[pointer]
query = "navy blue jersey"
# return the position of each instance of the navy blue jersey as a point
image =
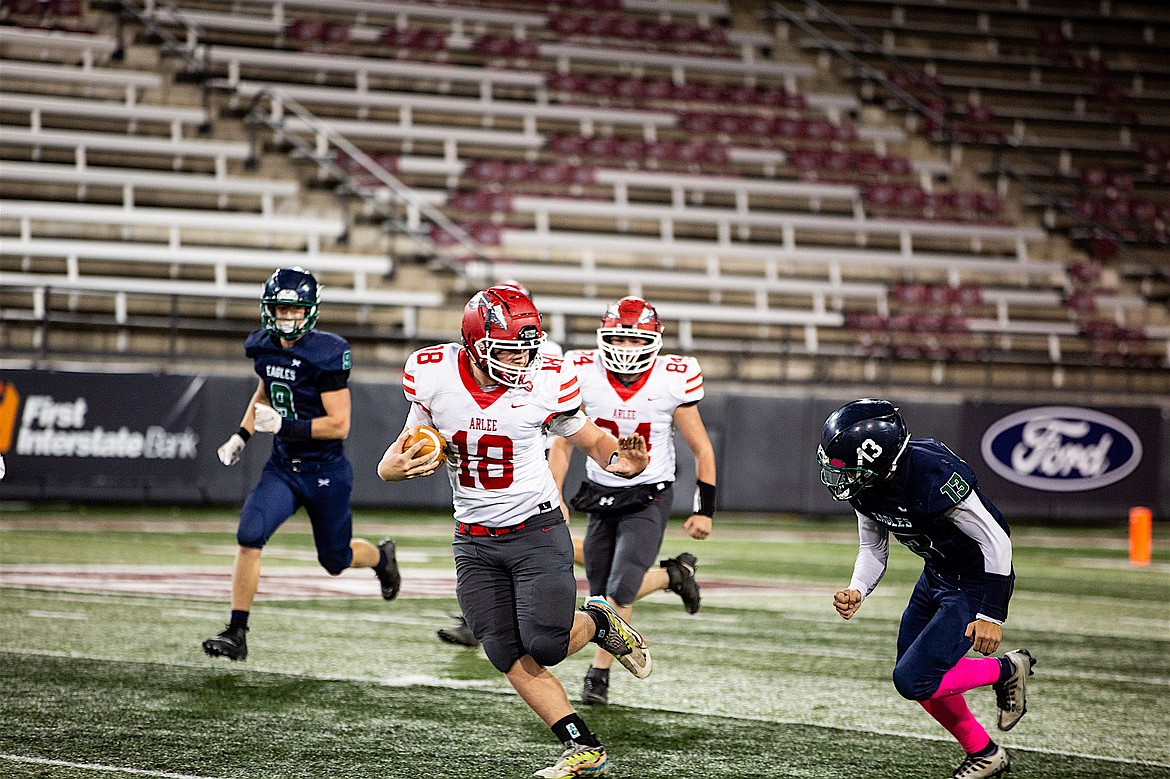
(933, 505)
(295, 378)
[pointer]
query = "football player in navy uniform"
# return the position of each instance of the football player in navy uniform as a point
(923, 494)
(303, 401)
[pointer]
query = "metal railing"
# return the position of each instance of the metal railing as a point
(326, 141)
(195, 52)
(865, 70)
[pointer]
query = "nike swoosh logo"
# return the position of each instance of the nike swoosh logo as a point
(651, 398)
(546, 529)
(519, 405)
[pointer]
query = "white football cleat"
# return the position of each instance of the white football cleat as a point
(1011, 695)
(995, 764)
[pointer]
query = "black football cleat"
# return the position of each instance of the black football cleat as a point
(596, 689)
(231, 643)
(389, 577)
(460, 635)
(681, 570)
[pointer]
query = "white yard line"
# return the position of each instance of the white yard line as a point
(99, 767)
(413, 680)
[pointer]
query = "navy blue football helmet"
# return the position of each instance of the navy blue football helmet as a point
(860, 445)
(290, 287)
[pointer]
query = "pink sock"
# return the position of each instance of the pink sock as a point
(968, 673)
(952, 713)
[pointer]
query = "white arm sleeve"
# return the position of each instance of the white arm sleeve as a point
(567, 424)
(872, 555)
(973, 518)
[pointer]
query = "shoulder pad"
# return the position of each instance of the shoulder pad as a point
(684, 376)
(942, 477)
(331, 352)
(255, 342)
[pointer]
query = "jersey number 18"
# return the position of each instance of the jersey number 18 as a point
(486, 463)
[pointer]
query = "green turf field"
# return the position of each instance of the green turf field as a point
(101, 674)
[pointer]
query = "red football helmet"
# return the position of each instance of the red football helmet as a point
(630, 317)
(523, 290)
(502, 319)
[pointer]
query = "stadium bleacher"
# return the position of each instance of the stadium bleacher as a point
(729, 172)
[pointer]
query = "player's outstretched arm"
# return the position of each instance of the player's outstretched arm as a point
(624, 456)
(399, 464)
(847, 602)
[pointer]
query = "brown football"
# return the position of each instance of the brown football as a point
(433, 444)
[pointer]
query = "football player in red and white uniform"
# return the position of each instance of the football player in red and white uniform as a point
(459, 633)
(628, 387)
(492, 399)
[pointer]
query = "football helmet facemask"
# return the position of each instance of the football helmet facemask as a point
(630, 317)
(502, 319)
(860, 445)
(290, 287)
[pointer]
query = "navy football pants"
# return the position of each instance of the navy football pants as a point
(931, 638)
(322, 488)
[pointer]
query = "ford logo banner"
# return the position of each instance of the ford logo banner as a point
(1062, 448)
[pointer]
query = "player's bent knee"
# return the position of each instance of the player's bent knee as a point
(912, 685)
(501, 657)
(547, 650)
(249, 539)
(333, 564)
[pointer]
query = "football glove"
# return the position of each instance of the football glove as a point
(229, 453)
(268, 419)
(2, 469)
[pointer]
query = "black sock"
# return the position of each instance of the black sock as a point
(572, 729)
(601, 622)
(1006, 669)
(987, 751)
(239, 619)
(381, 566)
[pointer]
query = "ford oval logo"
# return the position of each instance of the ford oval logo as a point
(1062, 448)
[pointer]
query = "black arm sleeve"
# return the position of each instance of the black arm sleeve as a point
(330, 382)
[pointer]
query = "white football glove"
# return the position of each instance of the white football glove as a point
(268, 419)
(229, 453)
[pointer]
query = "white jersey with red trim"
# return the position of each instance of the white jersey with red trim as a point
(550, 349)
(498, 472)
(646, 406)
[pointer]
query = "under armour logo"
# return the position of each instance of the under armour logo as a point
(322, 482)
(606, 501)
